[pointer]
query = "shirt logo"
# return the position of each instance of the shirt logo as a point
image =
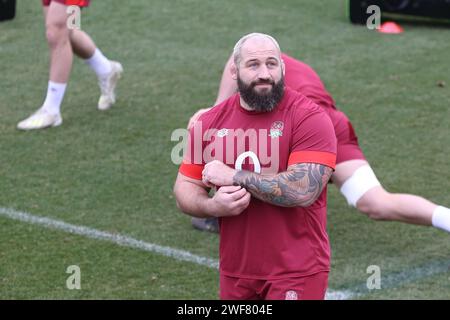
(291, 295)
(276, 130)
(222, 133)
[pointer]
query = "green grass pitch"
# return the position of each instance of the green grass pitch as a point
(112, 171)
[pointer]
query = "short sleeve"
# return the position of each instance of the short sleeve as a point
(313, 139)
(193, 162)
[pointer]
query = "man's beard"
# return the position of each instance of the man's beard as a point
(261, 102)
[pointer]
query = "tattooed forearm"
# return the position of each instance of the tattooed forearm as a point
(300, 185)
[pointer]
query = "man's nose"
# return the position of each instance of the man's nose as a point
(263, 73)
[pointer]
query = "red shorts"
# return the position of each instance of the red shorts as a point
(311, 287)
(80, 3)
(347, 141)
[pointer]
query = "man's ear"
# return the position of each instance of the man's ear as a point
(234, 71)
(283, 67)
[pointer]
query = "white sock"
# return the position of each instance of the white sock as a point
(99, 63)
(54, 98)
(441, 218)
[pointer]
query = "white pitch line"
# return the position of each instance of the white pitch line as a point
(126, 241)
(339, 295)
(118, 239)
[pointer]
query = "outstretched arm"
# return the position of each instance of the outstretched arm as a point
(300, 185)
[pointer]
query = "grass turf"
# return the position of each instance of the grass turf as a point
(112, 171)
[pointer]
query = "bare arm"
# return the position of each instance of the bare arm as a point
(300, 185)
(228, 86)
(193, 199)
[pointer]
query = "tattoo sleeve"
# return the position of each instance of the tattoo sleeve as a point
(300, 185)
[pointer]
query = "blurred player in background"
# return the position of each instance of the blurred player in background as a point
(353, 175)
(63, 43)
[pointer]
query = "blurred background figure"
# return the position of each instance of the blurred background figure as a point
(63, 43)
